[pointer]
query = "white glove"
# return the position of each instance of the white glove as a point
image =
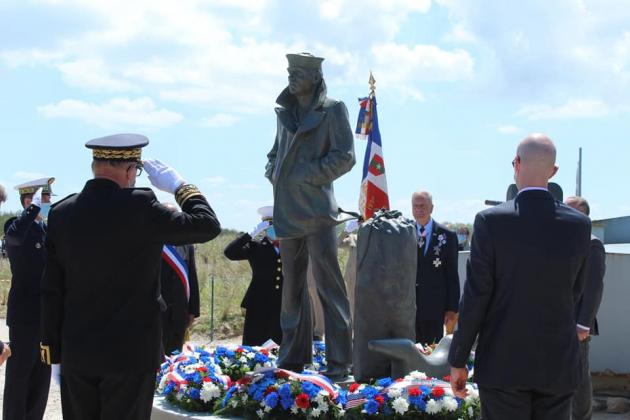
(162, 176)
(261, 227)
(351, 226)
(37, 198)
(55, 373)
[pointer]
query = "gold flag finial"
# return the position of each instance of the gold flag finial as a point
(372, 83)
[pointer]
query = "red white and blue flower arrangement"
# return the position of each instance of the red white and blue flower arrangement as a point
(197, 380)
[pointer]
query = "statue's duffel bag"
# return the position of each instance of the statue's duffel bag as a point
(385, 292)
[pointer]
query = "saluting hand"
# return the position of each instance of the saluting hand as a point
(162, 176)
(37, 198)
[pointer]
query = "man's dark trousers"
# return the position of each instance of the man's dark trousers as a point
(27, 378)
(295, 319)
(582, 404)
(125, 396)
(508, 404)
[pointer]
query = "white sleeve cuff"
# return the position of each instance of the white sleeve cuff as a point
(582, 327)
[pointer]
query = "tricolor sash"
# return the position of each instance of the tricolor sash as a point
(177, 263)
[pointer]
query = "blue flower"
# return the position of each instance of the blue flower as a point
(228, 395)
(286, 402)
(194, 393)
(371, 407)
(369, 392)
(384, 382)
(342, 398)
(285, 391)
(271, 400)
(169, 388)
(310, 389)
(260, 358)
(418, 402)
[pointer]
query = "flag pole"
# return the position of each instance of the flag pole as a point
(372, 83)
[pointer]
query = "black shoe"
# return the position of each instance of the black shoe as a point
(336, 374)
(293, 367)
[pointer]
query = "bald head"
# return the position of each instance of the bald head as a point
(535, 161)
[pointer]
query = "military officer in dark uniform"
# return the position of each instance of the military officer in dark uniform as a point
(180, 292)
(100, 311)
(263, 299)
(27, 378)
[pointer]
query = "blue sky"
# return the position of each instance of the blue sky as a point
(459, 83)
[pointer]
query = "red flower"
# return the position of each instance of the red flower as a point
(265, 352)
(399, 380)
(302, 401)
(414, 392)
(380, 400)
(239, 350)
(354, 387)
(245, 380)
(207, 379)
(202, 369)
(281, 374)
(269, 390)
(437, 392)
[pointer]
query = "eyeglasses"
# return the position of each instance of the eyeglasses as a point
(138, 167)
(515, 160)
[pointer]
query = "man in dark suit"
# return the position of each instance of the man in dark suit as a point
(27, 378)
(525, 275)
(100, 311)
(263, 299)
(437, 281)
(179, 289)
(586, 311)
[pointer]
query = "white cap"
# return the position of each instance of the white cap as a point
(32, 186)
(266, 212)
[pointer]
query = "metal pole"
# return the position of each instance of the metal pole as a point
(212, 307)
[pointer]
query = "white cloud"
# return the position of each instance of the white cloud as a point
(91, 74)
(118, 112)
(422, 63)
(220, 120)
(215, 181)
(28, 176)
(508, 129)
(573, 108)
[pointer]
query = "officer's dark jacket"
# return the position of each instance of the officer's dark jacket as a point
(100, 312)
(27, 255)
(263, 298)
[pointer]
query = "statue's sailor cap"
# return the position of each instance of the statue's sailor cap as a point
(118, 147)
(266, 212)
(305, 60)
(31, 186)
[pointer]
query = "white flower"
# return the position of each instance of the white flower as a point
(470, 411)
(341, 413)
(400, 405)
(244, 397)
(433, 407)
(394, 393)
(260, 413)
(234, 403)
(226, 362)
(163, 382)
(242, 359)
(267, 408)
(316, 412)
(294, 410)
(217, 369)
(323, 407)
(473, 395)
(417, 375)
(450, 404)
(250, 355)
(209, 391)
(267, 364)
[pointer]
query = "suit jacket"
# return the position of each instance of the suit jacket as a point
(587, 307)
(525, 274)
(173, 293)
(100, 313)
(263, 298)
(27, 256)
(437, 279)
(306, 158)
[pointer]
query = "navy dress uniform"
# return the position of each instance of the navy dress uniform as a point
(263, 299)
(100, 313)
(27, 378)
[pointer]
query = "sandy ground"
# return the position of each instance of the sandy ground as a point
(53, 410)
